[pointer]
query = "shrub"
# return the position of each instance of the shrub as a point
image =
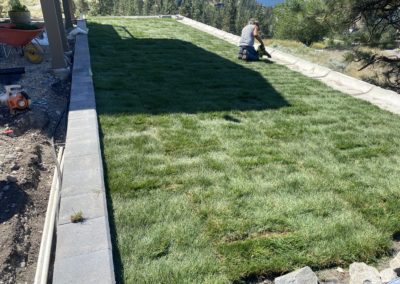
(16, 6)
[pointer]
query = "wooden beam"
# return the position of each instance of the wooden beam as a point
(61, 25)
(55, 33)
(67, 13)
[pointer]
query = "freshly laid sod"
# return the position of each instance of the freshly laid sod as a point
(219, 169)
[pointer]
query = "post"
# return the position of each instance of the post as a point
(54, 33)
(67, 13)
(61, 24)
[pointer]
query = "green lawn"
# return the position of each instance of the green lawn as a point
(219, 170)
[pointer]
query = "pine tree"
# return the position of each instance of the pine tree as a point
(230, 14)
(186, 8)
(139, 7)
(147, 7)
(198, 9)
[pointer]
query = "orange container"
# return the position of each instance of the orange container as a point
(15, 37)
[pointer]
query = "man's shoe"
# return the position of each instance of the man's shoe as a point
(244, 56)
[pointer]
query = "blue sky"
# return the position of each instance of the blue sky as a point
(270, 2)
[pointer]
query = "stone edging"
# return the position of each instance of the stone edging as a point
(83, 250)
(384, 99)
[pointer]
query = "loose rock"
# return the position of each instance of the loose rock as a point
(360, 273)
(11, 179)
(387, 275)
(301, 276)
(330, 281)
(395, 263)
(340, 270)
(14, 167)
(10, 157)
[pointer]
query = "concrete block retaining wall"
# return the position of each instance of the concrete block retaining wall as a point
(83, 250)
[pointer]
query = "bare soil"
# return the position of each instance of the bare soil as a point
(27, 162)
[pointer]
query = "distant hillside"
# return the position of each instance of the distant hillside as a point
(270, 2)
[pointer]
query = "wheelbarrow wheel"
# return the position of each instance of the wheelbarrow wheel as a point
(33, 53)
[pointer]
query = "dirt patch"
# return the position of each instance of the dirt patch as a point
(27, 163)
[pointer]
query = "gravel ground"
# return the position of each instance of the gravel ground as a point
(27, 162)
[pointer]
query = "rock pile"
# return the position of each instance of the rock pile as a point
(359, 273)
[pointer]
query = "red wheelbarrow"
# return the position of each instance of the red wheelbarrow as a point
(21, 39)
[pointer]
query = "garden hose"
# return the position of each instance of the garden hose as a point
(33, 53)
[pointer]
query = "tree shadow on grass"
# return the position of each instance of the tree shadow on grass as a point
(157, 76)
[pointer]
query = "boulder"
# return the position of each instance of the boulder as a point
(360, 273)
(395, 263)
(387, 275)
(301, 276)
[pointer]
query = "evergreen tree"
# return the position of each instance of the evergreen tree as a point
(148, 7)
(139, 7)
(229, 18)
(198, 10)
(230, 15)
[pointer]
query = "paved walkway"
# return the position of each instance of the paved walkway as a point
(384, 99)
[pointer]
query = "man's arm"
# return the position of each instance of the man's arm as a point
(257, 35)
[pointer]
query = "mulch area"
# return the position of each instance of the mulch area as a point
(27, 162)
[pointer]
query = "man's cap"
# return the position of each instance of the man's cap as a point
(253, 22)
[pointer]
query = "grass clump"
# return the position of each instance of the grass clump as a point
(77, 217)
(220, 169)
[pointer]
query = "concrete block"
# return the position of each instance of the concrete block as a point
(384, 102)
(93, 268)
(79, 180)
(82, 66)
(77, 189)
(83, 70)
(92, 205)
(285, 58)
(84, 121)
(85, 132)
(82, 147)
(304, 65)
(385, 98)
(349, 82)
(84, 98)
(90, 163)
(82, 105)
(75, 239)
(78, 79)
(337, 85)
(82, 90)
(79, 114)
(321, 70)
